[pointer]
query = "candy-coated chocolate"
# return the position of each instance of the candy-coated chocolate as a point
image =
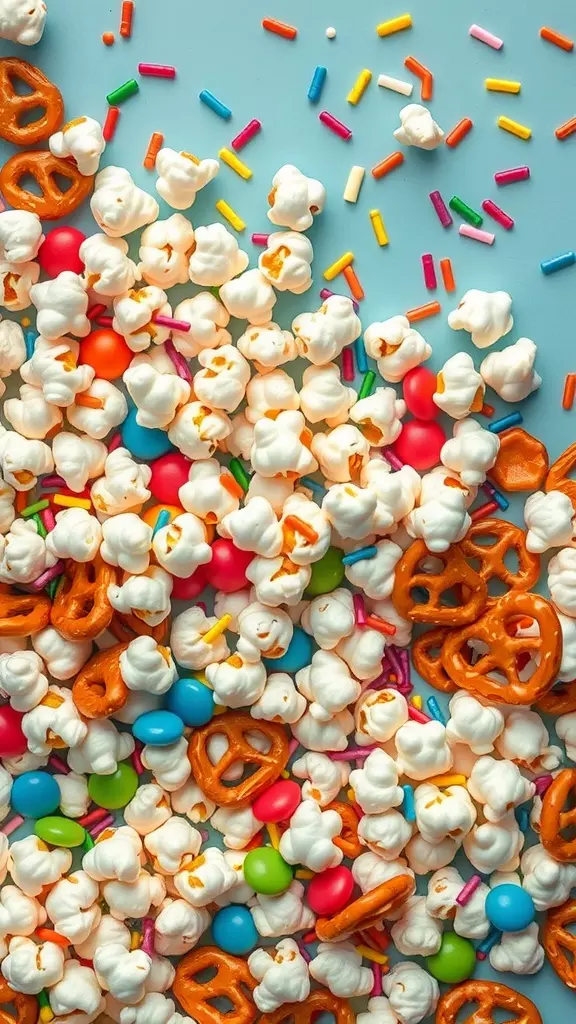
(418, 386)
(60, 831)
(191, 700)
(106, 352)
(327, 573)
(35, 794)
(279, 802)
(330, 890)
(267, 871)
(12, 739)
(144, 442)
(169, 474)
(510, 908)
(158, 728)
(59, 251)
(420, 443)
(116, 790)
(191, 587)
(227, 570)
(455, 960)
(298, 654)
(233, 930)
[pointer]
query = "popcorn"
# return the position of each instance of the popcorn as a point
(30, 968)
(324, 777)
(416, 933)
(181, 176)
(379, 416)
(122, 972)
(208, 320)
(165, 249)
(31, 415)
(363, 651)
(350, 509)
(32, 865)
(137, 703)
(499, 786)
(115, 854)
(375, 785)
(54, 722)
(155, 388)
(525, 741)
(78, 990)
(275, 489)
(423, 749)
(278, 580)
(469, 921)
(550, 521)
(329, 618)
(548, 882)
(206, 494)
(286, 261)
(441, 519)
(379, 1011)
(196, 430)
(134, 312)
(147, 811)
(238, 826)
(16, 283)
(459, 387)
(470, 452)
(7, 510)
(231, 604)
(323, 396)
(302, 549)
(146, 596)
(443, 812)
(22, 22)
(267, 346)
(19, 914)
(472, 723)
(22, 680)
(418, 128)
(127, 540)
(179, 927)
(99, 422)
(495, 846)
(565, 727)
(118, 205)
(385, 833)
(20, 232)
(396, 493)
(12, 345)
(61, 304)
(186, 641)
(77, 535)
(308, 840)
(510, 373)
(134, 899)
(182, 546)
(82, 142)
(240, 892)
(249, 297)
(396, 346)
(145, 665)
(338, 966)
(283, 977)
(236, 681)
(191, 801)
(154, 1009)
(101, 749)
(169, 763)
(74, 796)
(205, 878)
(263, 633)
(332, 735)
(370, 870)
(562, 581)
(486, 315)
(295, 199)
(216, 257)
(53, 368)
(254, 528)
(109, 271)
(5, 791)
(222, 382)
(72, 906)
(63, 658)
(321, 336)
(26, 762)
(342, 453)
(327, 683)
(275, 916)
(413, 993)
(375, 576)
(123, 486)
(269, 394)
(518, 952)
(22, 460)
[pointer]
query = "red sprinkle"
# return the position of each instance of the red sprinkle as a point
(110, 123)
(279, 28)
(484, 510)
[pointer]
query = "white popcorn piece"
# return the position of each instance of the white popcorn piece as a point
(378, 1011)
(351, 510)
(26, 762)
(145, 665)
(155, 1008)
(238, 826)
(241, 439)
(363, 651)
(518, 952)
(76, 535)
(342, 453)
(379, 416)
(108, 930)
(81, 141)
(147, 811)
(370, 870)
(19, 914)
(510, 373)
(101, 749)
(275, 916)
(116, 854)
(240, 892)
(459, 387)
(231, 604)
(278, 580)
(32, 865)
(134, 899)
(308, 840)
(170, 765)
(137, 703)
(54, 722)
(378, 716)
(321, 336)
(270, 394)
(565, 726)
(208, 320)
(74, 797)
(5, 792)
(416, 933)
(471, 452)
(191, 801)
(472, 723)
(328, 685)
(22, 460)
(423, 749)
(263, 633)
(146, 596)
(385, 833)
(375, 576)
(499, 786)
(165, 248)
(549, 518)
(16, 283)
(78, 458)
(286, 261)
(329, 618)
(206, 494)
(486, 315)
(396, 493)
(12, 344)
(61, 304)
(99, 422)
(323, 396)
(236, 681)
(303, 549)
(205, 878)
(338, 966)
(495, 846)
(413, 993)
(72, 906)
(295, 199)
(525, 741)
(469, 921)
(321, 736)
(122, 972)
(221, 384)
(441, 813)
(441, 520)
(249, 297)
(179, 927)
(267, 346)
(118, 205)
(196, 431)
(7, 510)
(216, 257)
(63, 658)
(182, 546)
(126, 542)
(375, 785)
(562, 581)
(123, 486)
(156, 389)
(30, 968)
(186, 641)
(109, 271)
(54, 368)
(418, 128)
(77, 995)
(20, 231)
(548, 882)
(22, 22)
(22, 679)
(254, 528)
(134, 312)
(181, 176)
(282, 976)
(323, 777)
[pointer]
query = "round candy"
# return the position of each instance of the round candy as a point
(35, 794)
(144, 442)
(234, 931)
(158, 728)
(266, 871)
(151, 514)
(327, 573)
(169, 474)
(330, 890)
(60, 251)
(227, 570)
(191, 587)
(106, 352)
(278, 802)
(114, 791)
(60, 831)
(418, 387)
(455, 960)
(191, 700)
(298, 654)
(12, 740)
(509, 908)
(420, 443)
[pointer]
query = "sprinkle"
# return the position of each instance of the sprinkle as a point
(30, 340)
(514, 127)
(360, 555)
(359, 610)
(502, 85)
(348, 363)
(417, 716)
(387, 165)
(497, 214)
(162, 520)
(299, 526)
(47, 576)
(96, 310)
(361, 357)
(273, 833)
(354, 184)
(302, 950)
(523, 818)
(381, 939)
(66, 501)
(465, 894)
(367, 385)
(484, 510)
(148, 936)
(353, 282)
(483, 36)
(182, 368)
(569, 390)
(459, 132)
(487, 410)
(447, 780)
(108, 38)
(104, 321)
(359, 88)
(58, 764)
(217, 629)
(209, 100)
(447, 275)
(135, 939)
(408, 804)
(317, 83)
(378, 227)
(259, 239)
(309, 938)
(338, 266)
(229, 214)
(239, 473)
(154, 147)
(312, 485)
(305, 875)
(435, 710)
(429, 271)
(48, 519)
(137, 761)
(495, 495)
(42, 531)
(20, 500)
(126, 19)
(542, 783)
(441, 209)
(30, 510)
(395, 84)
(93, 817)
(330, 32)
(123, 92)
(157, 70)
(424, 74)
(246, 135)
(380, 625)
(566, 129)
(494, 936)
(371, 954)
(416, 701)
(325, 293)
(12, 825)
(389, 28)
(234, 162)
(279, 28)
(479, 236)
(566, 259)
(336, 126)
(551, 36)
(376, 990)
(512, 420)
(46, 1015)
(89, 401)
(465, 211)
(423, 312)
(48, 935)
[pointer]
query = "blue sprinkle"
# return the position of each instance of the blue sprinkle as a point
(162, 521)
(496, 496)
(360, 555)
(558, 263)
(494, 936)
(307, 481)
(523, 818)
(317, 83)
(219, 108)
(408, 806)
(31, 338)
(361, 357)
(512, 420)
(435, 710)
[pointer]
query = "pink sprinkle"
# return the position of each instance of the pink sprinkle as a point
(102, 826)
(479, 236)
(542, 783)
(169, 321)
(351, 753)
(12, 825)
(260, 239)
(405, 662)
(480, 956)
(417, 716)
(48, 518)
(115, 442)
(397, 666)
(483, 36)
(497, 214)
(45, 578)
(377, 986)
(246, 135)
(137, 762)
(105, 321)
(157, 70)
(465, 894)
(96, 311)
(182, 368)
(429, 271)
(348, 363)
(293, 746)
(336, 126)
(204, 835)
(392, 458)
(327, 294)
(58, 764)
(53, 481)
(359, 609)
(148, 936)
(444, 215)
(512, 175)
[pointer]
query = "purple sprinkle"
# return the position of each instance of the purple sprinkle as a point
(442, 210)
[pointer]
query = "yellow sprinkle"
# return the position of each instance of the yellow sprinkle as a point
(285, 774)
(336, 268)
(388, 28)
(447, 780)
(372, 954)
(229, 158)
(46, 1015)
(502, 85)
(219, 709)
(274, 834)
(378, 227)
(520, 130)
(68, 502)
(135, 939)
(359, 88)
(25, 321)
(303, 874)
(416, 701)
(351, 795)
(229, 214)
(217, 629)
(354, 184)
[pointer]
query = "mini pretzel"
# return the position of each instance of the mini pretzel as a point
(429, 665)
(23, 614)
(53, 203)
(368, 910)
(560, 700)
(99, 689)
(126, 627)
(347, 841)
(456, 572)
(235, 726)
(504, 650)
(507, 537)
(26, 1007)
(232, 981)
(522, 462)
(81, 608)
(558, 476)
(319, 1001)
(554, 819)
(44, 95)
(490, 996)
(560, 943)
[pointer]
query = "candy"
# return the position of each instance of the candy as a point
(233, 930)
(552, 36)
(123, 92)
(278, 803)
(455, 960)
(227, 569)
(266, 871)
(566, 259)
(330, 890)
(395, 84)
(327, 573)
(459, 132)
(510, 908)
(157, 70)
(114, 790)
(12, 739)
(158, 728)
(388, 28)
(484, 36)
(521, 131)
(35, 794)
(359, 87)
(60, 832)
(420, 443)
(336, 126)
(279, 28)
(418, 387)
(380, 233)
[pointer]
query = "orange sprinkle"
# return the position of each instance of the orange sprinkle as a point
(108, 38)
(459, 132)
(352, 280)
(424, 74)
(154, 147)
(422, 312)
(487, 410)
(22, 500)
(447, 275)
(382, 939)
(294, 523)
(566, 129)
(569, 390)
(48, 935)
(88, 401)
(387, 165)
(279, 28)
(380, 625)
(230, 484)
(551, 36)
(126, 19)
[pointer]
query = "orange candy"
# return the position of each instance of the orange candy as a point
(106, 352)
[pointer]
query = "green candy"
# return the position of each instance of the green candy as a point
(455, 960)
(60, 831)
(327, 573)
(266, 871)
(114, 791)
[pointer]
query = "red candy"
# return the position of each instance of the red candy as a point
(330, 891)
(419, 444)
(227, 570)
(106, 352)
(12, 740)
(59, 251)
(418, 387)
(278, 802)
(169, 474)
(188, 589)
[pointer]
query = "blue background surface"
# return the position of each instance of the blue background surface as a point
(222, 47)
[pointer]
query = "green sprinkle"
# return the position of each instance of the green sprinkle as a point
(42, 531)
(367, 385)
(53, 587)
(239, 473)
(88, 843)
(42, 998)
(466, 212)
(37, 507)
(123, 92)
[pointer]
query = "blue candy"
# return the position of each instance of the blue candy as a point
(158, 728)
(298, 655)
(510, 908)
(143, 442)
(233, 930)
(35, 794)
(191, 700)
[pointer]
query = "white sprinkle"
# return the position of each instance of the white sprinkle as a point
(354, 184)
(395, 84)
(330, 33)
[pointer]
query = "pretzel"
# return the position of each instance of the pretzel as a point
(490, 996)
(25, 1007)
(126, 627)
(522, 461)
(99, 689)
(554, 819)
(234, 726)
(52, 203)
(456, 572)
(368, 910)
(232, 981)
(507, 537)
(504, 651)
(559, 943)
(347, 841)
(23, 614)
(558, 474)
(81, 608)
(429, 665)
(13, 105)
(560, 700)
(319, 1001)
